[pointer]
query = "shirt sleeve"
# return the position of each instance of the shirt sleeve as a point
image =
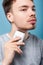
(1, 53)
(0, 56)
(41, 63)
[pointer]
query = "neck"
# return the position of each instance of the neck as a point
(14, 28)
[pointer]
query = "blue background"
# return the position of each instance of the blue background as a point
(5, 25)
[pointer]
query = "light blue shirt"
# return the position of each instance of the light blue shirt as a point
(32, 51)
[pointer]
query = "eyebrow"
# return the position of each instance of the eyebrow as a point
(25, 6)
(33, 6)
(32, 0)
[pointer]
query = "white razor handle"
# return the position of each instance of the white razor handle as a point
(19, 34)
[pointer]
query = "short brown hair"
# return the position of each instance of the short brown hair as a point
(7, 5)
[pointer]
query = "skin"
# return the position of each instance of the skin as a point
(20, 16)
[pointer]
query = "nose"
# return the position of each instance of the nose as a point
(31, 12)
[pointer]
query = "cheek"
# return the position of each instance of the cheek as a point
(21, 16)
(20, 19)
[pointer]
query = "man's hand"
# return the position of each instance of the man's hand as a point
(9, 50)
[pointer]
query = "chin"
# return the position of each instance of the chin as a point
(31, 27)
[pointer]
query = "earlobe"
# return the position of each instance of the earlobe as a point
(10, 17)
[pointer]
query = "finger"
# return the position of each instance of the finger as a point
(18, 50)
(20, 43)
(14, 39)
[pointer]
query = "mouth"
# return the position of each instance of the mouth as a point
(32, 21)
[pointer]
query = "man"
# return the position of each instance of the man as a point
(21, 15)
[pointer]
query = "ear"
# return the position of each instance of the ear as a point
(10, 17)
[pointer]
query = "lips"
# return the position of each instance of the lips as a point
(32, 21)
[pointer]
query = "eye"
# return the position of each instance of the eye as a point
(34, 9)
(23, 10)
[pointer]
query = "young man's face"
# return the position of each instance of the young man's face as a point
(23, 13)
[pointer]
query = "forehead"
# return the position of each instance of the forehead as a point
(23, 2)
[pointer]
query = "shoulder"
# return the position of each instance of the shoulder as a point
(36, 41)
(3, 38)
(35, 38)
